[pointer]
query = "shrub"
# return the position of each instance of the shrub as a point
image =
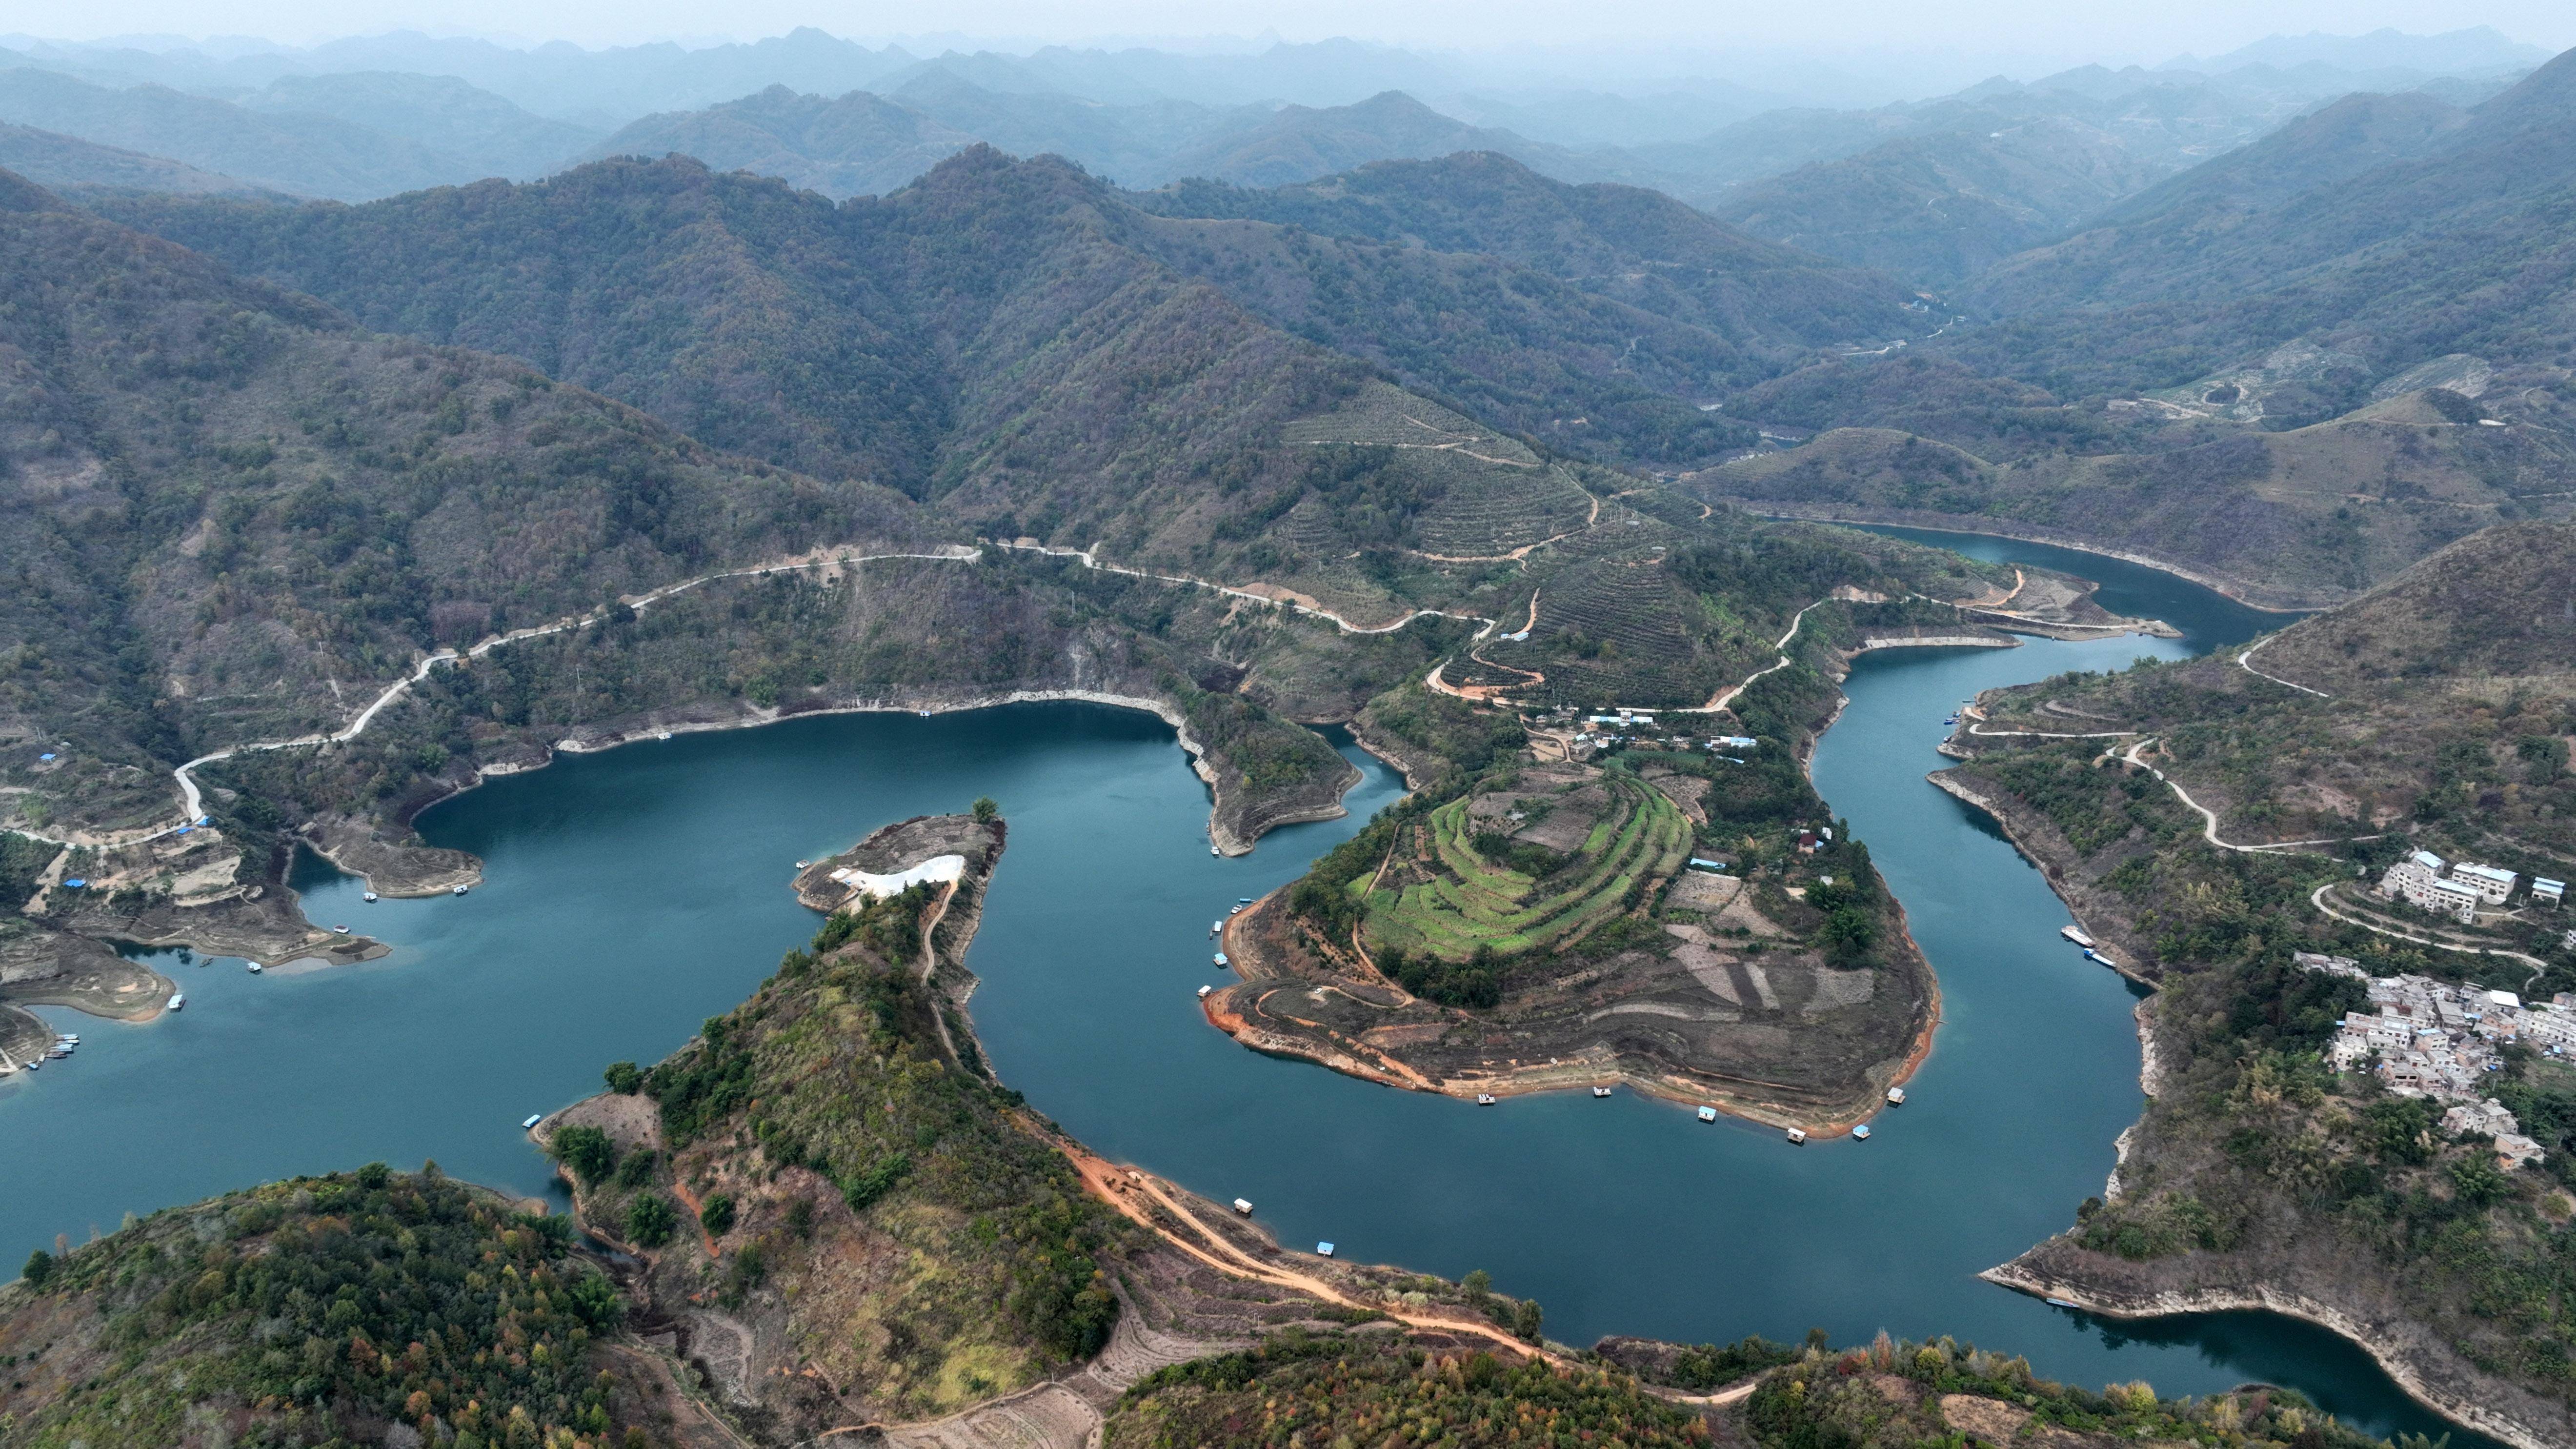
(717, 1216)
(650, 1219)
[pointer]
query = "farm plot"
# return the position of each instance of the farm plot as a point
(1450, 899)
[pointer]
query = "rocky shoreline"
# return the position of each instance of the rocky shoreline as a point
(2450, 1395)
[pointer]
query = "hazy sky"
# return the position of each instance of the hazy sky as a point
(2040, 29)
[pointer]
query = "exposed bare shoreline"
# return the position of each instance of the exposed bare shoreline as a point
(2261, 1299)
(1955, 523)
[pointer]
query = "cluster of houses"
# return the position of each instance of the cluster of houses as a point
(2419, 880)
(2432, 1039)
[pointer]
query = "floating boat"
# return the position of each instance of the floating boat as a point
(1221, 961)
(178, 999)
(1708, 1114)
(1323, 1250)
(1485, 1099)
(1204, 990)
(1861, 1133)
(460, 890)
(2063, 1303)
(1243, 1205)
(1601, 1091)
(1243, 900)
(370, 898)
(925, 714)
(2076, 935)
(32, 1063)
(1212, 850)
(1215, 927)
(533, 1119)
(1797, 1136)
(2096, 957)
(256, 968)
(1238, 910)
(340, 930)
(1896, 1096)
(662, 735)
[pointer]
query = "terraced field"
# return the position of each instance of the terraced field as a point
(1448, 900)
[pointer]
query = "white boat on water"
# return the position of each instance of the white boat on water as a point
(1896, 1096)
(1601, 1091)
(460, 890)
(533, 1119)
(1861, 1133)
(1708, 1114)
(1323, 1250)
(369, 898)
(1485, 1099)
(1204, 990)
(256, 968)
(1797, 1136)
(1243, 1205)
(178, 999)
(1220, 959)
(2064, 1303)
(2076, 935)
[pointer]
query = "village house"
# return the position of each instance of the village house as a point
(2491, 883)
(2418, 881)
(2434, 1039)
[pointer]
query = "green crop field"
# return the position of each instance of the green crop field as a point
(1457, 900)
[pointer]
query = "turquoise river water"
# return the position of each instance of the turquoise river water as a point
(629, 895)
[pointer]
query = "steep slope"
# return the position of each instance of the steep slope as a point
(56, 161)
(225, 501)
(1936, 209)
(699, 296)
(1624, 242)
(2460, 248)
(304, 154)
(857, 145)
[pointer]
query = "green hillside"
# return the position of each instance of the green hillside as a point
(2451, 245)
(230, 500)
(318, 1310)
(2431, 714)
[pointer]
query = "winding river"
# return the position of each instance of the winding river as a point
(631, 894)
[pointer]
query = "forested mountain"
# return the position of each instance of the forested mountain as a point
(560, 273)
(349, 137)
(53, 160)
(305, 155)
(224, 499)
(2457, 245)
(1938, 208)
(1301, 143)
(1625, 242)
(474, 132)
(858, 145)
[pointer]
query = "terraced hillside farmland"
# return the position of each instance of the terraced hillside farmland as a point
(1535, 921)
(1522, 868)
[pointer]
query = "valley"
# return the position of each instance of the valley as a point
(1548, 525)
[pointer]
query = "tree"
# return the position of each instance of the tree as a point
(649, 1220)
(40, 1266)
(587, 1151)
(717, 1216)
(987, 809)
(624, 1078)
(1525, 1320)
